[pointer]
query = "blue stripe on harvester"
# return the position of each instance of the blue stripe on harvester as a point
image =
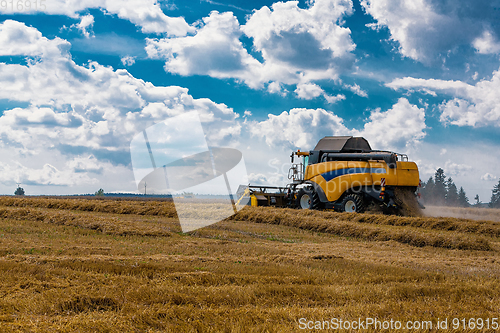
(340, 172)
(334, 174)
(378, 170)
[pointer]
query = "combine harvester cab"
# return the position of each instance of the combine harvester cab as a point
(345, 174)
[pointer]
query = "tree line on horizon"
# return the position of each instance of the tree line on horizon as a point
(442, 191)
(437, 190)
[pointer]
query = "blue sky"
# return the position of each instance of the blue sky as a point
(78, 80)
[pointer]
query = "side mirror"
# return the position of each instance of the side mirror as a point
(291, 156)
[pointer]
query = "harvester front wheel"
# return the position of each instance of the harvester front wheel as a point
(304, 199)
(352, 203)
(308, 199)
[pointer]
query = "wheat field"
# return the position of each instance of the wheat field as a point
(90, 265)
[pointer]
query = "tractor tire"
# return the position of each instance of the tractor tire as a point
(308, 199)
(304, 199)
(352, 203)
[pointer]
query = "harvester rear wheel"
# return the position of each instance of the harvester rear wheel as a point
(352, 203)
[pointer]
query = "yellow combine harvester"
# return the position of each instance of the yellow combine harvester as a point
(345, 174)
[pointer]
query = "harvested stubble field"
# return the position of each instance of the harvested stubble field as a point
(81, 265)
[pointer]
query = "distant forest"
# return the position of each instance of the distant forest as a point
(443, 192)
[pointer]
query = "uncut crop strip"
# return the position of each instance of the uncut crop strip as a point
(106, 225)
(153, 208)
(487, 228)
(408, 235)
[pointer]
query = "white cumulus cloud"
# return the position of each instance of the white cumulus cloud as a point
(45, 175)
(334, 99)
(310, 41)
(85, 25)
(146, 14)
(401, 127)
(79, 111)
(18, 39)
(128, 60)
(488, 177)
(356, 89)
(299, 128)
(311, 90)
(471, 105)
(298, 46)
(308, 90)
(257, 179)
(428, 29)
(487, 43)
(455, 169)
(215, 50)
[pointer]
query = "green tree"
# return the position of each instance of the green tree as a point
(495, 196)
(439, 197)
(19, 191)
(99, 193)
(428, 190)
(463, 201)
(451, 193)
(478, 201)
